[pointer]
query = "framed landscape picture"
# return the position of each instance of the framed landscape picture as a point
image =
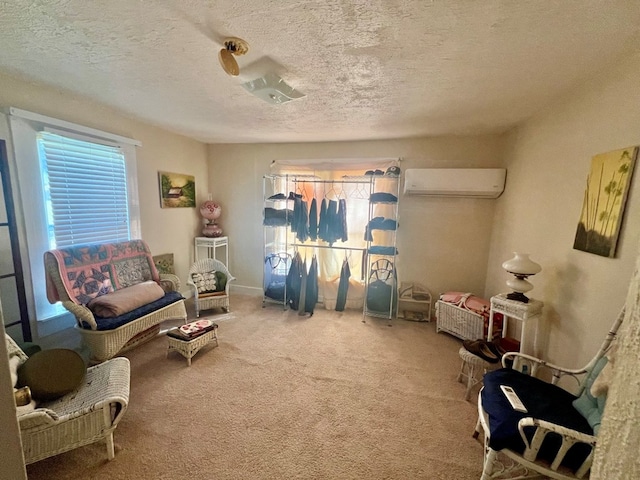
(177, 190)
(604, 201)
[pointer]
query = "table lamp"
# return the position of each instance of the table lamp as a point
(521, 267)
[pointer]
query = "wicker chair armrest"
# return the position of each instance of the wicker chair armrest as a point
(172, 279)
(82, 314)
(37, 418)
(230, 278)
(511, 359)
(14, 349)
(569, 437)
(545, 427)
(106, 384)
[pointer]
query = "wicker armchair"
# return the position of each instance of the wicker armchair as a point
(208, 300)
(88, 414)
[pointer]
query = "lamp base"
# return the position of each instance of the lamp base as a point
(518, 297)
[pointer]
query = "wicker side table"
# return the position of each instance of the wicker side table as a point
(472, 369)
(188, 348)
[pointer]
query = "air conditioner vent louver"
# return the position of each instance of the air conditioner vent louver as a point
(455, 182)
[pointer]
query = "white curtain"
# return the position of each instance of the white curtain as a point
(337, 179)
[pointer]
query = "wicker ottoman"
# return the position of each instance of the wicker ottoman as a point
(472, 369)
(188, 348)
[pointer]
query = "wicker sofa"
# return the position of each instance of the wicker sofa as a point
(81, 277)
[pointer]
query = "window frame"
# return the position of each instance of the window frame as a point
(24, 127)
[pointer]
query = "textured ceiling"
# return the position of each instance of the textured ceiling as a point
(371, 69)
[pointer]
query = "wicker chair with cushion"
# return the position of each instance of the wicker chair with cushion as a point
(209, 279)
(556, 436)
(87, 414)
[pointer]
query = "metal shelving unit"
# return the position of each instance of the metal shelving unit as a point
(280, 243)
(381, 287)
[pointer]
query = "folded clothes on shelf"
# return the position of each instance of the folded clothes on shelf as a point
(380, 250)
(379, 223)
(383, 197)
(277, 217)
(282, 196)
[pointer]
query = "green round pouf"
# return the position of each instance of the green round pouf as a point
(50, 374)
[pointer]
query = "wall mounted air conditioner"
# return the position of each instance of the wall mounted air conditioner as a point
(455, 182)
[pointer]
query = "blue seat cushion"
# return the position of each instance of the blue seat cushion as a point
(110, 323)
(543, 401)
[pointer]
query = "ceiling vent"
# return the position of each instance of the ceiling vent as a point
(273, 89)
(455, 182)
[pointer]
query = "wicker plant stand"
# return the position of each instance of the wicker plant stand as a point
(188, 348)
(472, 369)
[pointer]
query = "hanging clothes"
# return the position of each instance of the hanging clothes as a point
(343, 286)
(303, 287)
(293, 282)
(342, 220)
(322, 224)
(313, 220)
(333, 223)
(300, 221)
(302, 230)
(311, 297)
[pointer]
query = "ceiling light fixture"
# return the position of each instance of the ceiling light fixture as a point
(272, 89)
(232, 46)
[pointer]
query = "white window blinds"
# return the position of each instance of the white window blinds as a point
(85, 191)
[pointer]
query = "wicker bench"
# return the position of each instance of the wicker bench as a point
(114, 266)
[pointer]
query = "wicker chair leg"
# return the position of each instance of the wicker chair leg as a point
(489, 459)
(110, 447)
(476, 432)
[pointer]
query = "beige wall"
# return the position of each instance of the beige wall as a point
(548, 160)
(443, 242)
(166, 230)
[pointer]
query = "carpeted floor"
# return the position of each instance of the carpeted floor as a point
(290, 397)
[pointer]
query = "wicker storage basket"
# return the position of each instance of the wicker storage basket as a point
(464, 323)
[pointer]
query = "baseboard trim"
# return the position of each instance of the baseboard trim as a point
(245, 290)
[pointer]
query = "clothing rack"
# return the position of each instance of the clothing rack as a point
(282, 237)
(359, 249)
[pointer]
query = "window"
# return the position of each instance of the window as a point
(85, 191)
(77, 185)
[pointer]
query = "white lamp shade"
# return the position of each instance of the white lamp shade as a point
(521, 265)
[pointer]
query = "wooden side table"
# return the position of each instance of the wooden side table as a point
(514, 309)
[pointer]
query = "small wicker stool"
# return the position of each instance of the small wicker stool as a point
(473, 368)
(188, 348)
